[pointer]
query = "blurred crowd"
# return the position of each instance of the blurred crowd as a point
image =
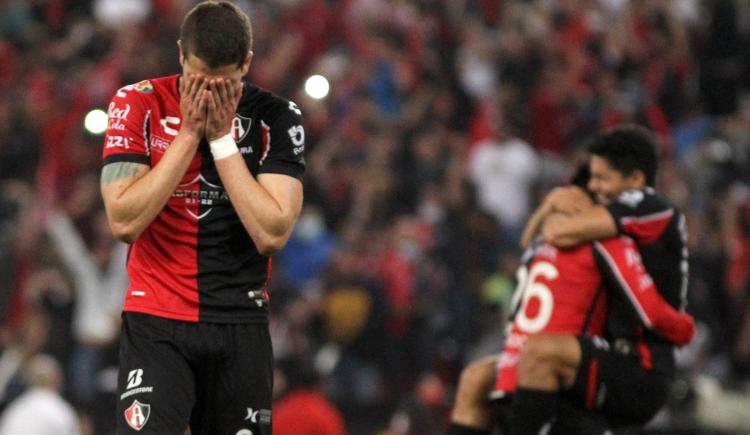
(446, 122)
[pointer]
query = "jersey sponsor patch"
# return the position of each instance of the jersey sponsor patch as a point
(144, 86)
(136, 416)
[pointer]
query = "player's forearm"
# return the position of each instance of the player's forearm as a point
(133, 208)
(565, 231)
(534, 225)
(268, 221)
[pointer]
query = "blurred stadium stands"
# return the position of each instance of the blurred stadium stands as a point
(446, 121)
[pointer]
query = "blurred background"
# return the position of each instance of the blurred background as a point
(433, 129)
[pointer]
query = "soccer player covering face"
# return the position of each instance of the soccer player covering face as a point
(202, 176)
(626, 377)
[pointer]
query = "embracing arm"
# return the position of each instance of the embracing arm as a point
(567, 217)
(623, 271)
(589, 224)
(534, 224)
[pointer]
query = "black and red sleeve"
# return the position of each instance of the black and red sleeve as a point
(126, 139)
(284, 151)
(623, 271)
(642, 215)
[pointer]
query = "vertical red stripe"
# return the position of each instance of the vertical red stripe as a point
(645, 354)
(268, 278)
(591, 383)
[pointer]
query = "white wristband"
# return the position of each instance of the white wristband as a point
(223, 147)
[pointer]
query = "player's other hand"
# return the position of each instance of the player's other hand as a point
(567, 200)
(193, 103)
(684, 330)
(223, 98)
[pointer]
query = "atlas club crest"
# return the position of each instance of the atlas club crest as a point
(137, 414)
(240, 127)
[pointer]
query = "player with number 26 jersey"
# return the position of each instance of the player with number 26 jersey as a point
(195, 261)
(563, 291)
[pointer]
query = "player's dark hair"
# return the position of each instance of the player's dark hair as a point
(217, 32)
(581, 176)
(628, 148)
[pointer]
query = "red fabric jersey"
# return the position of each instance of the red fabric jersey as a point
(195, 261)
(560, 291)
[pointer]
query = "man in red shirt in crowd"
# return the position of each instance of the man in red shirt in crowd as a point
(304, 410)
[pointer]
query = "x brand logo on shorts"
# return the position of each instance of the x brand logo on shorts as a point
(137, 414)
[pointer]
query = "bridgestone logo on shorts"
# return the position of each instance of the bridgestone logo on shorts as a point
(136, 391)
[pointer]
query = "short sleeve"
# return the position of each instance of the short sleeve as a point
(641, 214)
(285, 148)
(126, 139)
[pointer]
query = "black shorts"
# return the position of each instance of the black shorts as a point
(571, 418)
(215, 378)
(617, 385)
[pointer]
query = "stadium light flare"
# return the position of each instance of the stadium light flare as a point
(95, 121)
(317, 86)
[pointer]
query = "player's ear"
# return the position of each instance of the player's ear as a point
(182, 54)
(246, 63)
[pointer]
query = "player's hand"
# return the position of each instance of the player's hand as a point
(223, 98)
(684, 330)
(568, 200)
(193, 103)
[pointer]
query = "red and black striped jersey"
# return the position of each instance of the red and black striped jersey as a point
(562, 291)
(196, 261)
(660, 233)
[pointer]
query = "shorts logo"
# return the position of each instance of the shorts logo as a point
(264, 415)
(137, 414)
(135, 377)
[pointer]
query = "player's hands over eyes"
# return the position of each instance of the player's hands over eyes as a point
(223, 98)
(568, 200)
(193, 103)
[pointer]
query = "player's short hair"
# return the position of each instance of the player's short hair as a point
(581, 176)
(218, 32)
(627, 148)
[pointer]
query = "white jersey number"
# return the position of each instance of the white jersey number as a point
(537, 290)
